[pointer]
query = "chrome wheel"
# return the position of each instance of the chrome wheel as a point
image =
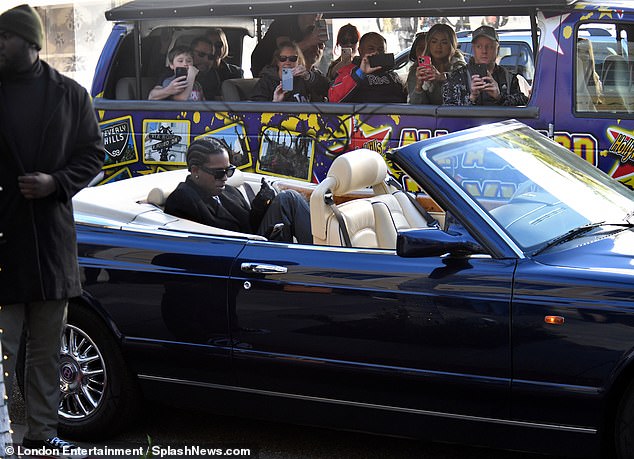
(82, 375)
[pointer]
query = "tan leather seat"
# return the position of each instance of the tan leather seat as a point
(368, 221)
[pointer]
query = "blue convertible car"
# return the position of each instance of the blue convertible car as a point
(494, 307)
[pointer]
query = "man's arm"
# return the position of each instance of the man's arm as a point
(87, 154)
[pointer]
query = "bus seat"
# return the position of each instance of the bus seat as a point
(237, 89)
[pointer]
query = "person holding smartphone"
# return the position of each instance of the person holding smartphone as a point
(304, 29)
(205, 197)
(482, 81)
(369, 78)
(348, 44)
(182, 85)
(435, 55)
(292, 77)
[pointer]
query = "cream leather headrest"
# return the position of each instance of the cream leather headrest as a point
(237, 179)
(356, 169)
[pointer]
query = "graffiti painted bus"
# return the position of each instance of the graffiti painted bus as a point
(300, 140)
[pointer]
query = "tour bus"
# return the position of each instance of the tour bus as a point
(300, 140)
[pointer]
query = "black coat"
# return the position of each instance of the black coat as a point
(38, 249)
(315, 89)
(190, 201)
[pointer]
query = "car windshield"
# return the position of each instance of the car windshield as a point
(532, 187)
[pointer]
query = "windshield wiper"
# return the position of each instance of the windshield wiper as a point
(576, 232)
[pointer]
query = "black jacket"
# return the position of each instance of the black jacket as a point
(190, 201)
(38, 249)
(315, 89)
(211, 81)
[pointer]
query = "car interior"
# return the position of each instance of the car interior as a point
(361, 204)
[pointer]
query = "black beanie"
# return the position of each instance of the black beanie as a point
(24, 21)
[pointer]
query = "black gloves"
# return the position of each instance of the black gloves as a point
(260, 204)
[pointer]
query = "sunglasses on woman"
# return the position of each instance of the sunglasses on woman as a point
(290, 58)
(219, 173)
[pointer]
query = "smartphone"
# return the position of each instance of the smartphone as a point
(346, 54)
(322, 30)
(180, 71)
(382, 60)
(287, 79)
(481, 69)
(424, 61)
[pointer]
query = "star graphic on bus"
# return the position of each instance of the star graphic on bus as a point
(367, 137)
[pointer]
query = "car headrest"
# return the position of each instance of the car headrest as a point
(237, 179)
(356, 169)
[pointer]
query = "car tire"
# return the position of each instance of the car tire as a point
(99, 396)
(624, 422)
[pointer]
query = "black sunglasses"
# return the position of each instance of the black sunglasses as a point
(200, 54)
(220, 172)
(290, 58)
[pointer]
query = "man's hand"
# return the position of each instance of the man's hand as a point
(492, 88)
(311, 39)
(365, 65)
(485, 84)
(478, 85)
(36, 185)
(301, 71)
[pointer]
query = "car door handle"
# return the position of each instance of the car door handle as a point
(259, 268)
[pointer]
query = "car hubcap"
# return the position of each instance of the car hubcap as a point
(82, 374)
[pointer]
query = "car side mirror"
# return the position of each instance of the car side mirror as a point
(432, 242)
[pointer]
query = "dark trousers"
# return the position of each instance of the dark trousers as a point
(290, 208)
(44, 322)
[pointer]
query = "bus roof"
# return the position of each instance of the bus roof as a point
(162, 9)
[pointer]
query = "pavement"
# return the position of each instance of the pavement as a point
(111, 450)
(100, 450)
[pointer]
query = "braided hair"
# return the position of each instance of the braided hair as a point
(199, 150)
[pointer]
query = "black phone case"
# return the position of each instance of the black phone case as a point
(481, 69)
(180, 71)
(382, 60)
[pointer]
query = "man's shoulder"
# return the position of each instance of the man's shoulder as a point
(232, 70)
(503, 71)
(61, 79)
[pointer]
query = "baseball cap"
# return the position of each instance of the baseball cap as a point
(485, 31)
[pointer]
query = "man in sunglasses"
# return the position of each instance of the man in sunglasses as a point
(210, 52)
(300, 29)
(205, 197)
